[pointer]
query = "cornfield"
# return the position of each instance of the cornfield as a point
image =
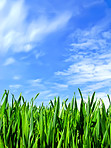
(57, 125)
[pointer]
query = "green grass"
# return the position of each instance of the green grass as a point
(24, 125)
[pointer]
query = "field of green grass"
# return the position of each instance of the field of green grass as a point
(58, 125)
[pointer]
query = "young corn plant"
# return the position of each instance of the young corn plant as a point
(24, 125)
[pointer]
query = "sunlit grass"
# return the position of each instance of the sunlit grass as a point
(24, 125)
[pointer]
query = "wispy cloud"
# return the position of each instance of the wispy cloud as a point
(87, 71)
(29, 91)
(17, 86)
(92, 3)
(39, 54)
(20, 34)
(16, 77)
(97, 85)
(35, 82)
(9, 61)
(90, 56)
(50, 96)
(60, 86)
(43, 26)
(45, 92)
(2, 4)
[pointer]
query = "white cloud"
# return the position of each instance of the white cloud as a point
(51, 95)
(87, 71)
(35, 82)
(43, 26)
(2, 4)
(89, 43)
(17, 86)
(9, 61)
(107, 34)
(45, 92)
(92, 3)
(97, 85)
(27, 47)
(90, 56)
(16, 77)
(20, 35)
(60, 86)
(47, 95)
(39, 54)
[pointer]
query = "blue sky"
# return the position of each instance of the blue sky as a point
(55, 47)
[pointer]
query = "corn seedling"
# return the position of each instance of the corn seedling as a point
(24, 125)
